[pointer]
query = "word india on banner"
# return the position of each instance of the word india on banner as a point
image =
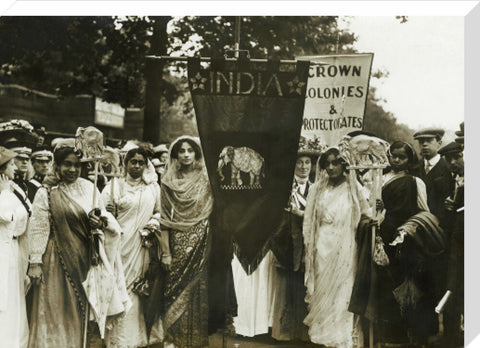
(249, 117)
(336, 96)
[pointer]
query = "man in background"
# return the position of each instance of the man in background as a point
(41, 161)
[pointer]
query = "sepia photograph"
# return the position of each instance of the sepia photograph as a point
(237, 181)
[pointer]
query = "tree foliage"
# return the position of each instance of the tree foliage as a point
(264, 36)
(76, 55)
(105, 56)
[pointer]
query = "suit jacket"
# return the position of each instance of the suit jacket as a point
(440, 185)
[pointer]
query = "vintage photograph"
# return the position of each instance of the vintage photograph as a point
(232, 181)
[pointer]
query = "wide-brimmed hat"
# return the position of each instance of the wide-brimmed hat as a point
(19, 130)
(21, 148)
(310, 147)
(6, 155)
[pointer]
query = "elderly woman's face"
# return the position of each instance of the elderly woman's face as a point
(69, 169)
(333, 166)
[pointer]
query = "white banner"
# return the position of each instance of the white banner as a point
(336, 96)
(108, 114)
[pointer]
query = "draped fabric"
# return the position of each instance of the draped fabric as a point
(249, 119)
(138, 204)
(13, 270)
(331, 218)
(185, 201)
(70, 282)
(185, 207)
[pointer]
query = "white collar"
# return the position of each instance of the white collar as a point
(433, 161)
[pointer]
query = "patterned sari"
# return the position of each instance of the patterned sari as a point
(185, 208)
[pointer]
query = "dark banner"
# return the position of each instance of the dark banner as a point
(249, 117)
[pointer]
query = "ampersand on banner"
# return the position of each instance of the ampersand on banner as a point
(332, 110)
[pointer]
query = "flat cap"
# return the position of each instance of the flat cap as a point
(429, 133)
(450, 148)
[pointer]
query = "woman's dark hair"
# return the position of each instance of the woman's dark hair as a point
(411, 155)
(62, 153)
(192, 143)
(136, 151)
(332, 151)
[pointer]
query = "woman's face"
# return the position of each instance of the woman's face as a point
(164, 157)
(334, 167)
(69, 170)
(186, 154)
(136, 165)
(398, 159)
(10, 169)
(303, 166)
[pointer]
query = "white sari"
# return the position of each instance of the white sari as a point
(331, 219)
(137, 203)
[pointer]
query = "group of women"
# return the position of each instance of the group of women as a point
(323, 282)
(88, 264)
(91, 266)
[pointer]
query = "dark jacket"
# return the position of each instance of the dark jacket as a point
(440, 185)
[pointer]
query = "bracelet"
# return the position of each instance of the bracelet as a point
(166, 255)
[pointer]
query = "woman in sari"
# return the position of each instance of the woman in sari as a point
(136, 205)
(73, 250)
(333, 210)
(403, 195)
(186, 206)
(14, 213)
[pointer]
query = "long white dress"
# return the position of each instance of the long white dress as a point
(255, 297)
(137, 203)
(331, 266)
(13, 272)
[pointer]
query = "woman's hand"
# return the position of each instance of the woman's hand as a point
(167, 262)
(95, 219)
(294, 210)
(35, 273)
(5, 183)
(379, 206)
(112, 208)
(449, 204)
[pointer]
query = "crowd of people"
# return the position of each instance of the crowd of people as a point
(131, 268)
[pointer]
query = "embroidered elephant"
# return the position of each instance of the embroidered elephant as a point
(241, 159)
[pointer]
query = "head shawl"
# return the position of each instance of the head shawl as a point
(312, 221)
(185, 201)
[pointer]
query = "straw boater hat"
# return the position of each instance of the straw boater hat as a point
(6, 155)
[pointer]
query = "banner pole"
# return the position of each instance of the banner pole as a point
(237, 36)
